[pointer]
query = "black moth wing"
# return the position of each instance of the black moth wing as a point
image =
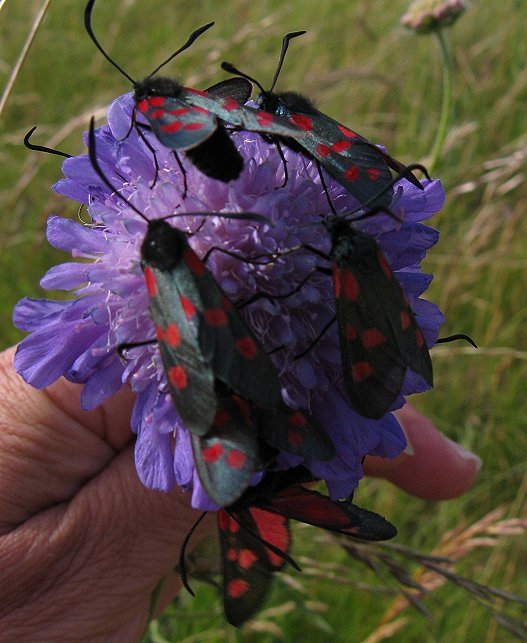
(379, 335)
(295, 432)
(239, 89)
(368, 525)
(357, 164)
(313, 508)
(243, 117)
(227, 343)
(227, 456)
(248, 564)
(173, 298)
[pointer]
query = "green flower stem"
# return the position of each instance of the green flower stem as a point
(446, 103)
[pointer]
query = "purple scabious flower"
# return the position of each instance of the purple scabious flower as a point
(77, 338)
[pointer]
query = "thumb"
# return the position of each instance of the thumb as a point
(432, 467)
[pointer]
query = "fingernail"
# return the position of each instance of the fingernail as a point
(409, 450)
(465, 454)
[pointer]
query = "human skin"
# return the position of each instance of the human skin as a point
(83, 544)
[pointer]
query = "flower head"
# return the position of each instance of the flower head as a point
(78, 338)
(425, 16)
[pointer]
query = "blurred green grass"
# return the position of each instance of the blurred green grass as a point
(361, 67)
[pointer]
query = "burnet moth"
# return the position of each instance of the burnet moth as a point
(356, 163)
(255, 538)
(379, 336)
(223, 384)
(191, 121)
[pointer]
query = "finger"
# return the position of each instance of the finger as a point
(89, 567)
(432, 467)
(49, 447)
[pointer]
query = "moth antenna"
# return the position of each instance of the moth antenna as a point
(229, 67)
(42, 148)
(250, 216)
(92, 152)
(193, 36)
(181, 562)
(87, 24)
(457, 336)
(285, 46)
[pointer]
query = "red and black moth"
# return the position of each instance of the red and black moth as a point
(191, 120)
(379, 336)
(255, 538)
(244, 438)
(218, 374)
(356, 163)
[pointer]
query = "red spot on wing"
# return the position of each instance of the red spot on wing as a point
(340, 146)
(230, 105)
(150, 280)
(302, 121)
(178, 112)
(236, 459)
(347, 132)
(351, 332)
(295, 438)
(143, 106)
(216, 317)
(350, 286)
(361, 370)
(197, 91)
(247, 347)
(157, 113)
(171, 128)
(322, 150)
(177, 376)
(156, 101)
(194, 126)
(419, 338)
(188, 307)
(298, 419)
(201, 110)
(172, 335)
(373, 173)
(232, 554)
(194, 263)
(237, 587)
(352, 173)
(213, 453)
(222, 417)
(372, 338)
(223, 520)
(405, 319)
(160, 333)
(264, 119)
(246, 558)
(272, 528)
(337, 283)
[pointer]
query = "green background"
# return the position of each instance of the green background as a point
(361, 67)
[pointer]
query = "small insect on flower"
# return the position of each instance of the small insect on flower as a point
(379, 335)
(190, 120)
(255, 538)
(206, 345)
(357, 164)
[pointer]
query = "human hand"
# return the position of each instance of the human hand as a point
(83, 544)
(432, 467)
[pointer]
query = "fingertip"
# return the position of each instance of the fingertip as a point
(433, 467)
